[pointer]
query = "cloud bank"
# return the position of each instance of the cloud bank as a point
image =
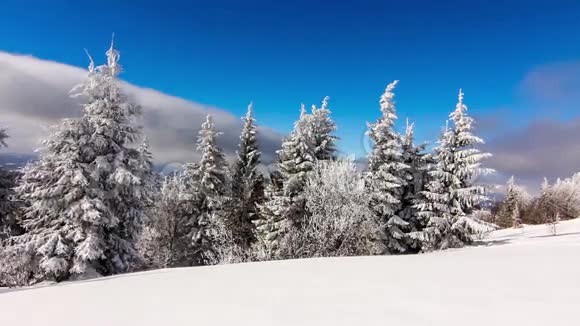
(548, 146)
(34, 94)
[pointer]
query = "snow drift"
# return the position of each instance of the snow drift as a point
(516, 277)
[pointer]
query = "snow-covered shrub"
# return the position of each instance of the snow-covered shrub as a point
(17, 266)
(484, 216)
(223, 249)
(340, 222)
(167, 239)
(562, 199)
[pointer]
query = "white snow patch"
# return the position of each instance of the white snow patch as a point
(516, 277)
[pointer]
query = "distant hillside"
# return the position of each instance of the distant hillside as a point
(15, 161)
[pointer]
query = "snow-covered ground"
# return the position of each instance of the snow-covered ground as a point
(515, 277)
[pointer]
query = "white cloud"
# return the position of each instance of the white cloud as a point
(553, 84)
(34, 94)
(545, 148)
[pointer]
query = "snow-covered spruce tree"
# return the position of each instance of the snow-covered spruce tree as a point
(285, 205)
(509, 213)
(88, 192)
(322, 128)
(434, 203)
(271, 222)
(387, 176)
(312, 139)
(210, 183)
(295, 160)
(247, 184)
(341, 221)
(416, 176)
(212, 167)
(119, 174)
(9, 207)
(54, 189)
(452, 195)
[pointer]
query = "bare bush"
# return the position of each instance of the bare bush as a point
(340, 222)
(167, 240)
(560, 199)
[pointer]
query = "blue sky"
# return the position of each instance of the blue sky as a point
(281, 53)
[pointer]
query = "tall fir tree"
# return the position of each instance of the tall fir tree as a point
(120, 173)
(209, 183)
(311, 140)
(433, 204)
(295, 160)
(247, 184)
(386, 176)
(272, 221)
(88, 191)
(285, 205)
(212, 167)
(453, 194)
(416, 176)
